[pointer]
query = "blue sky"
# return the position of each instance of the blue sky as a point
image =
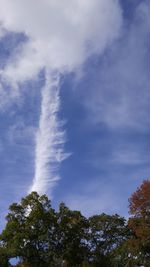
(74, 102)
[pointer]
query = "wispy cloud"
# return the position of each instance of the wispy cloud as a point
(61, 35)
(117, 98)
(50, 138)
(120, 96)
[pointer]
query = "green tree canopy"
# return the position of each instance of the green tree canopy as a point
(43, 237)
(107, 235)
(30, 230)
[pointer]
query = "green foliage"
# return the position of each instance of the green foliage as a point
(30, 230)
(4, 257)
(107, 235)
(42, 237)
(73, 228)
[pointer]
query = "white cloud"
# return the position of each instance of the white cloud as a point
(120, 96)
(129, 157)
(50, 140)
(61, 36)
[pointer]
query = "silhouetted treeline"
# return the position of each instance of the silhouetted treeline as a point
(40, 236)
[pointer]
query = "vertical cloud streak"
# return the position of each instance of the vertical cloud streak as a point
(60, 35)
(50, 138)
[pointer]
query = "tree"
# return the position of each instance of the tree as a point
(107, 235)
(139, 202)
(42, 237)
(30, 230)
(139, 223)
(4, 257)
(72, 229)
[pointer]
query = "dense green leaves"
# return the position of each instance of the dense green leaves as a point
(30, 230)
(43, 237)
(107, 235)
(72, 228)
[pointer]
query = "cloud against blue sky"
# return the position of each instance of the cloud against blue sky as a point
(74, 86)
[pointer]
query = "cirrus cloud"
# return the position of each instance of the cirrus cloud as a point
(60, 36)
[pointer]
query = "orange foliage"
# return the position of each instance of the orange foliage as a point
(139, 223)
(139, 202)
